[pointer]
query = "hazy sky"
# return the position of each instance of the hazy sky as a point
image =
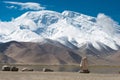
(13, 8)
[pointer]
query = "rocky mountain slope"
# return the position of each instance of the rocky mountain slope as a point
(51, 53)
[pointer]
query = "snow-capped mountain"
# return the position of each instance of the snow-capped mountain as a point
(69, 28)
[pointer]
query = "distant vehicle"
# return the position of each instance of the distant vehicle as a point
(9, 68)
(27, 69)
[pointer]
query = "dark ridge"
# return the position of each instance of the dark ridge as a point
(4, 46)
(104, 51)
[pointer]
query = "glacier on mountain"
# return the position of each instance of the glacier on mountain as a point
(68, 28)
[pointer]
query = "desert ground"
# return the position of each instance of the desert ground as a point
(56, 76)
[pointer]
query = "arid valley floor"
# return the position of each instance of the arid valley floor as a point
(56, 76)
(68, 73)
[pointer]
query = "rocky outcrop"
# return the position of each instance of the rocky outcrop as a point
(84, 65)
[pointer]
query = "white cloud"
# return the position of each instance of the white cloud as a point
(108, 24)
(25, 6)
(11, 7)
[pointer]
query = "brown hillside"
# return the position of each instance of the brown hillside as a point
(42, 53)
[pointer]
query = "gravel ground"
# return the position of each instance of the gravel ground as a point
(56, 76)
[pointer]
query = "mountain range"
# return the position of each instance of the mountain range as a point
(49, 37)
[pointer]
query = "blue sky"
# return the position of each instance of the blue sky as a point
(89, 7)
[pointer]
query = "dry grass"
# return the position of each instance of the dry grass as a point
(56, 76)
